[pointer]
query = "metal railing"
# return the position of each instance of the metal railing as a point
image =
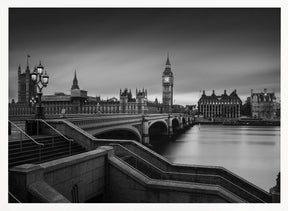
(32, 139)
(215, 170)
(58, 132)
(154, 172)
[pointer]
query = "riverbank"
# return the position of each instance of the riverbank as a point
(243, 122)
(254, 123)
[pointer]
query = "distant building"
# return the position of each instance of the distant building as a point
(178, 109)
(26, 87)
(246, 108)
(54, 104)
(131, 105)
(155, 107)
(264, 105)
(222, 107)
(278, 108)
(78, 101)
(190, 109)
(167, 87)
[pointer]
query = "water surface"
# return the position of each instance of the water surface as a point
(251, 152)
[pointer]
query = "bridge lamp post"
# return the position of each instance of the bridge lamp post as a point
(33, 103)
(41, 79)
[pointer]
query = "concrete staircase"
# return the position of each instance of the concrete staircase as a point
(153, 172)
(28, 152)
(142, 166)
(133, 158)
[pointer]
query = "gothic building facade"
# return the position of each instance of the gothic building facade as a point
(263, 105)
(167, 87)
(131, 105)
(26, 87)
(220, 107)
(78, 101)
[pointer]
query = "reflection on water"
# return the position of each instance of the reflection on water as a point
(251, 152)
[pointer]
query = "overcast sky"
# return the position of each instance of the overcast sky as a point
(210, 49)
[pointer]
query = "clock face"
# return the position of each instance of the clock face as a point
(166, 79)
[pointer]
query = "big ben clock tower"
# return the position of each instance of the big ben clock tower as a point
(167, 87)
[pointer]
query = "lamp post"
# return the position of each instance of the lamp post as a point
(33, 103)
(41, 79)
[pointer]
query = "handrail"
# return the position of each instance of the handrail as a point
(151, 181)
(219, 171)
(14, 197)
(26, 134)
(217, 174)
(140, 172)
(149, 151)
(55, 130)
(138, 157)
(169, 174)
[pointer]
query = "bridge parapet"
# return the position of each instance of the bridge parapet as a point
(141, 123)
(81, 121)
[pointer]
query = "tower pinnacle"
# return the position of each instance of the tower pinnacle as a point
(75, 82)
(168, 61)
(28, 56)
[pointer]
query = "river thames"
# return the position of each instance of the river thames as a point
(249, 151)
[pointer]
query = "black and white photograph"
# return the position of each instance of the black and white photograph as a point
(144, 105)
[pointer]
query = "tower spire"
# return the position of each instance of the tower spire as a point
(168, 61)
(19, 69)
(75, 82)
(28, 56)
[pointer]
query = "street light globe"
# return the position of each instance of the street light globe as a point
(45, 79)
(34, 75)
(40, 69)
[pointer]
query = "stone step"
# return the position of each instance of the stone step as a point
(30, 151)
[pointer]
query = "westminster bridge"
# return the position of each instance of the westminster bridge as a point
(127, 126)
(136, 127)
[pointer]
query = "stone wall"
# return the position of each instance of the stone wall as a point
(130, 186)
(77, 178)
(85, 175)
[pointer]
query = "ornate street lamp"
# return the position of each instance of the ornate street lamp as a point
(41, 80)
(33, 102)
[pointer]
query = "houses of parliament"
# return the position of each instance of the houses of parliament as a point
(78, 101)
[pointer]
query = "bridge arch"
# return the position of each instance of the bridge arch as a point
(118, 132)
(184, 122)
(158, 121)
(175, 123)
(158, 127)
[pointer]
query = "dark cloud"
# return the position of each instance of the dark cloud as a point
(117, 48)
